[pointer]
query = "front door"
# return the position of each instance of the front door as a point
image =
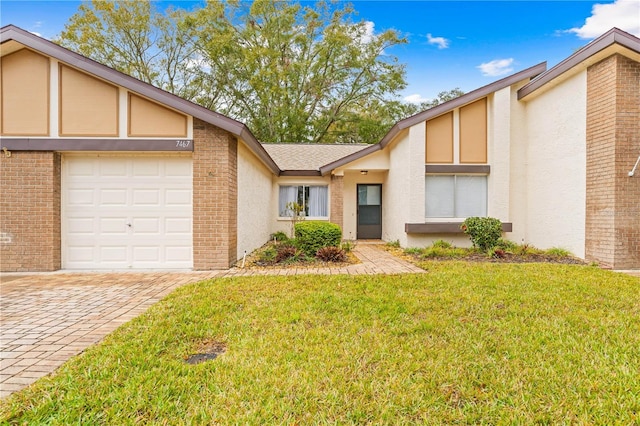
(369, 212)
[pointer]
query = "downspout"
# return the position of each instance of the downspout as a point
(633, 171)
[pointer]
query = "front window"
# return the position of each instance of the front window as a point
(455, 196)
(313, 200)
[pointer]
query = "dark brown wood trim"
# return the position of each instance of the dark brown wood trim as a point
(457, 168)
(443, 228)
(81, 144)
(300, 173)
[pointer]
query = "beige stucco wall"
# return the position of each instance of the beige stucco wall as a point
(24, 94)
(45, 98)
(149, 119)
(88, 106)
(555, 180)
(255, 220)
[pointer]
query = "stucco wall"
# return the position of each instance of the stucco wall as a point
(556, 167)
(254, 202)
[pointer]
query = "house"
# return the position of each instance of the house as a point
(102, 171)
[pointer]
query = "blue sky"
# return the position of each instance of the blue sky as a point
(464, 44)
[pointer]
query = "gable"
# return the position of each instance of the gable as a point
(24, 93)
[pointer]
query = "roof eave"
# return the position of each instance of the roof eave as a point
(436, 111)
(11, 32)
(613, 36)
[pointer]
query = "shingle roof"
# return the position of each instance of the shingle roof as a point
(309, 157)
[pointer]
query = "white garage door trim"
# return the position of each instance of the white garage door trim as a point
(124, 212)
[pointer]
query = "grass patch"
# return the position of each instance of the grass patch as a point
(464, 343)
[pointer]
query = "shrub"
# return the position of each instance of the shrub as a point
(558, 252)
(280, 236)
(348, 246)
(506, 245)
(394, 244)
(313, 235)
(331, 254)
(286, 252)
(483, 231)
(442, 244)
(268, 255)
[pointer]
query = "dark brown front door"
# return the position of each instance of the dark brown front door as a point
(369, 212)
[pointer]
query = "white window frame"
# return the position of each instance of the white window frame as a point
(455, 217)
(302, 185)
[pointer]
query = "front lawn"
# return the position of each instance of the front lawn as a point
(464, 343)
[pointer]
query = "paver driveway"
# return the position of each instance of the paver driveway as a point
(48, 318)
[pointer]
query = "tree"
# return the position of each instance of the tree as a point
(136, 39)
(291, 73)
(442, 97)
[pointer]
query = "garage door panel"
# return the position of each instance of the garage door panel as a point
(146, 197)
(177, 225)
(177, 197)
(149, 225)
(113, 197)
(102, 195)
(80, 197)
(112, 167)
(113, 226)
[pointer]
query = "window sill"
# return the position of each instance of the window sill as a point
(443, 228)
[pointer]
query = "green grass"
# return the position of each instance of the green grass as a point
(464, 343)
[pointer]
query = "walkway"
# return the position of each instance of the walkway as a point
(47, 318)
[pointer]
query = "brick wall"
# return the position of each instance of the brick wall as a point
(627, 189)
(337, 197)
(215, 195)
(613, 144)
(30, 212)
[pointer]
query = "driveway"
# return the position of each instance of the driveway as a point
(47, 318)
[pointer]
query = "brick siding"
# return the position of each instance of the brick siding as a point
(337, 200)
(30, 212)
(613, 145)
(215, 197)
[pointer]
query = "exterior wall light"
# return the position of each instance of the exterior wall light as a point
(364, 172)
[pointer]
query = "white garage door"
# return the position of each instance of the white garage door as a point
(126, 212)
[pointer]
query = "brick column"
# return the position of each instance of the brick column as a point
(30, 212)
(337, 200)
(613, 145)
(215, 197)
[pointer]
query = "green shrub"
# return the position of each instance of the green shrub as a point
(268, 255)
(483, 231)
(442, 244)
(348, 246)
(413, 250)
(331, 254)
(434, 251)
(558, 252)
(506, 245)
(313, 235)
(280, 236)
(394, 244)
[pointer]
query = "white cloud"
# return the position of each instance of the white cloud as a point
(36, 33)
(496, 67)
(368, 32)
(624, 14)
(441, 42)
(415, 99)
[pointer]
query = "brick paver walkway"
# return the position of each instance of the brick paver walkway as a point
(45, 319)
